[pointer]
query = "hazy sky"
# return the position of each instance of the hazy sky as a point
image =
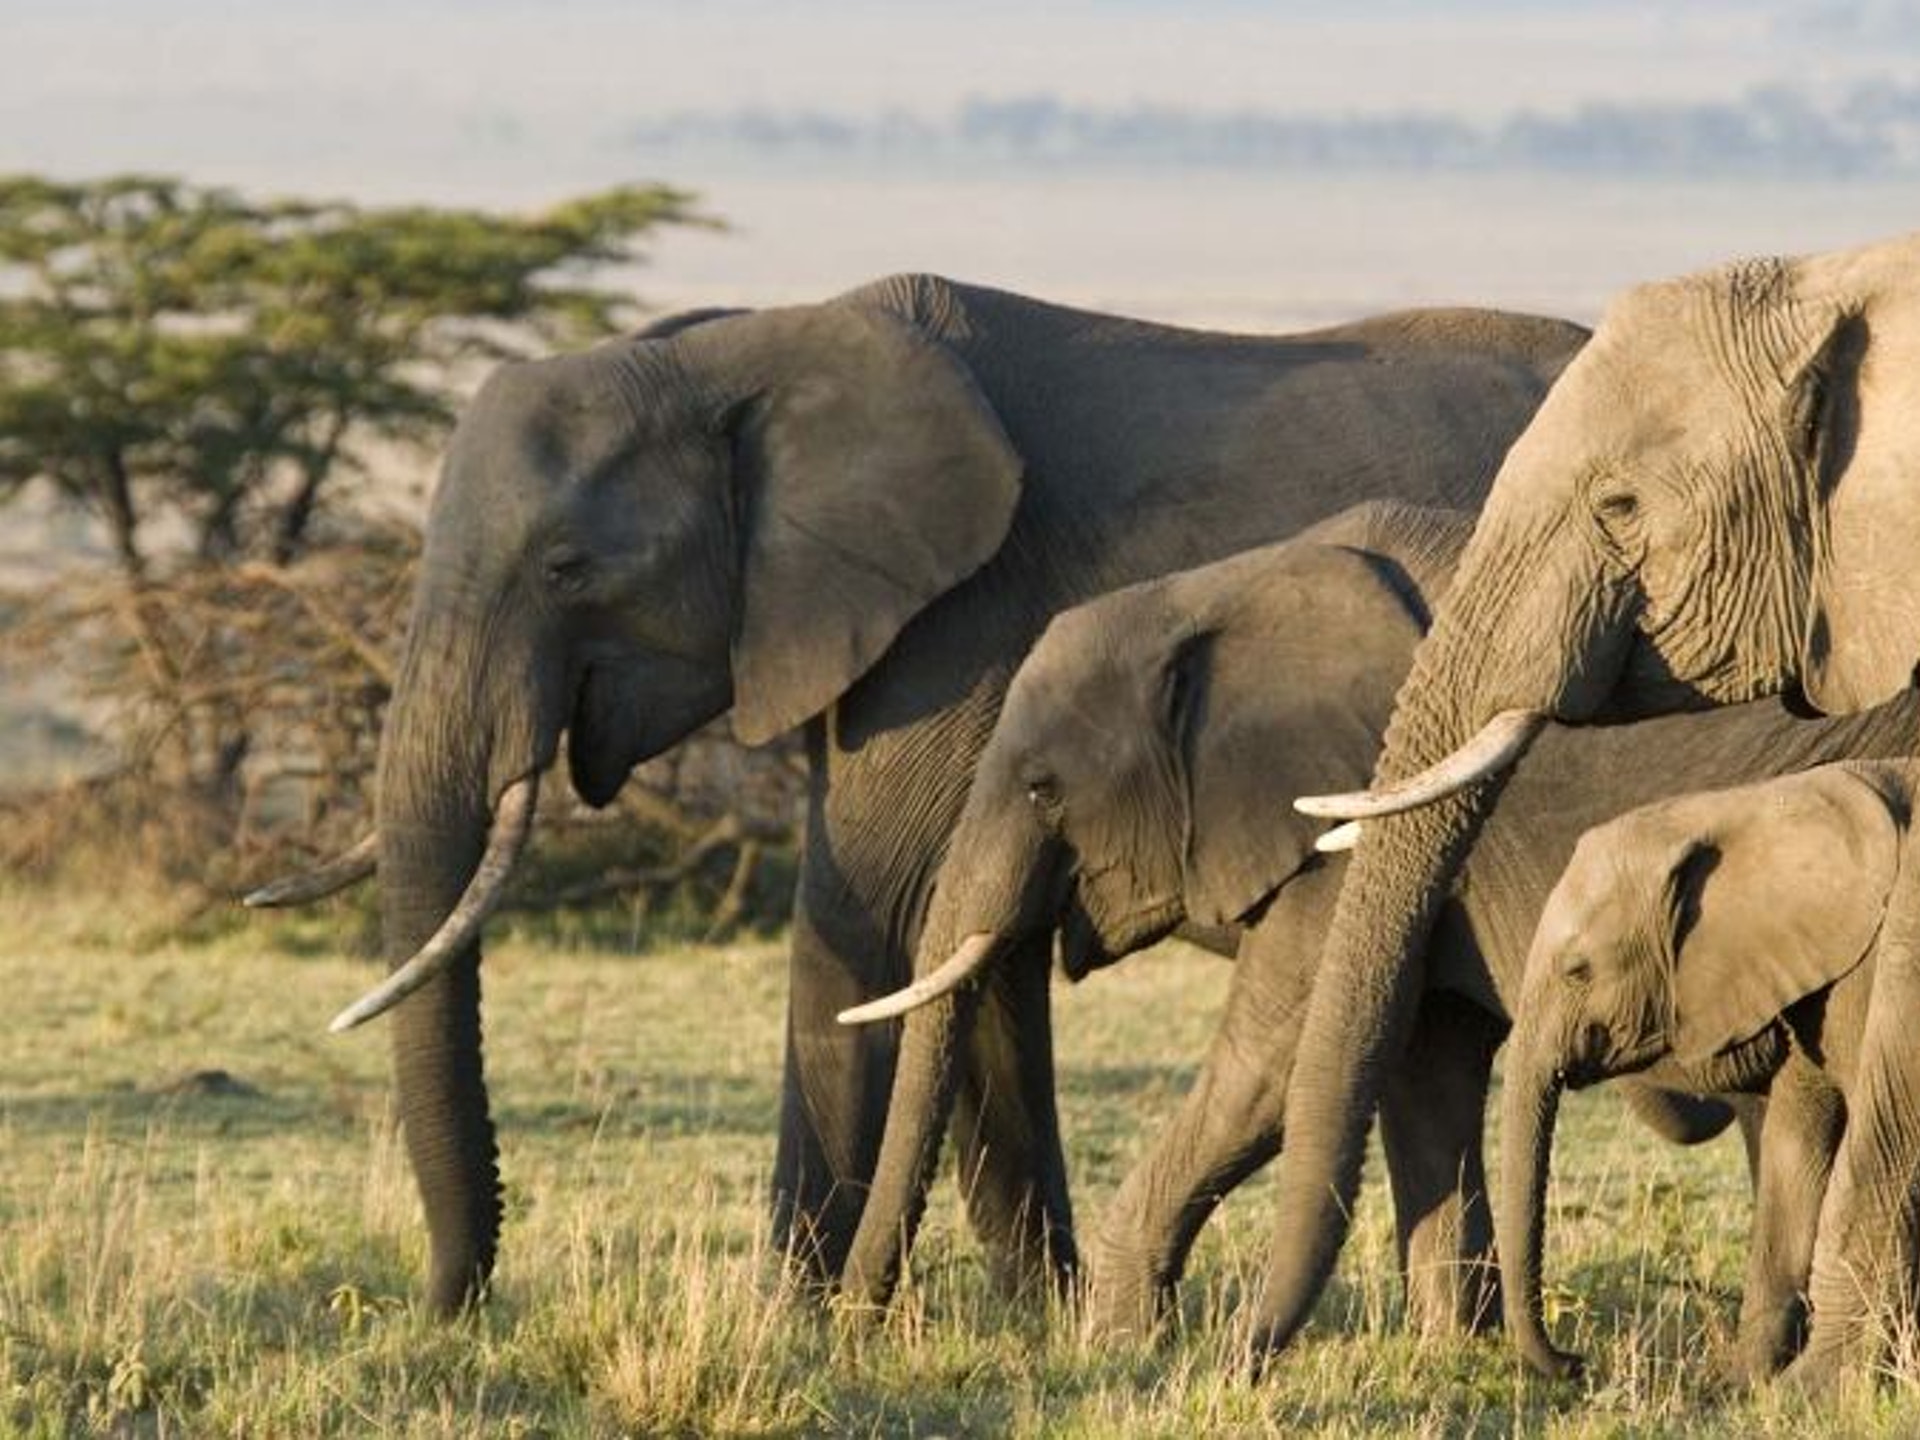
(512, 102)
(385, 94)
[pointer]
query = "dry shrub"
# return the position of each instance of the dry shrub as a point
(243, 703)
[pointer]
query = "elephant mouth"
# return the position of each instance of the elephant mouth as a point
(1091, 939)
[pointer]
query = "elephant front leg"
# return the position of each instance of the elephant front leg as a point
(1432, 1116)
(1227, 1126)
(1799, 1137)
(1012, 1165)
(833, 1102)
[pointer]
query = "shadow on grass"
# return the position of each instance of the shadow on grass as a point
(696, 1102)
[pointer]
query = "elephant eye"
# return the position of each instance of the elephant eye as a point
(1043, 793)
(1618, 507)
(1577, 969)
(567, 571)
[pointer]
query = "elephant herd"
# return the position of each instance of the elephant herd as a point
(1600, 647)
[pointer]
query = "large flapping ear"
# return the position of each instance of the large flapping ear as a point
(873, 476)
(1778, 896)
(1284, 691)
(1863, 631)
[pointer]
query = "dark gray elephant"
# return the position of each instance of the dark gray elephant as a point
(1730, 936)
(854, 516)
(1135, 783)
(1718, 501)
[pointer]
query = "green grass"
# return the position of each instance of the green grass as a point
(175, 1261)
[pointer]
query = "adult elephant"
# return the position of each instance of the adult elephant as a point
(855, 516)
(1719, 500)
(1137, 780)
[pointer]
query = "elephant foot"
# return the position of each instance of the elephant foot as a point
(1813, 1376)
(1459, 1297)
(1552, 1363)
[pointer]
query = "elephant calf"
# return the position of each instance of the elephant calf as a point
(1140, 778)
(1751, 939)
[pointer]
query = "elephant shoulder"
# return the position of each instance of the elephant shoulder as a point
(930, 303)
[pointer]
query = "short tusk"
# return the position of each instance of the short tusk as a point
(961, 966)
(1499, 743)
(310, 885)
(512, 823)
(1339, 839)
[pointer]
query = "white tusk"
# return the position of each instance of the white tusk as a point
(965, 962)
(1497, 746)
(1340, 838)
(347, 869)
(512, 822)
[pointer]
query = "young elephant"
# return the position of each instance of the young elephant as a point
(1139, 779)
(1734, 934)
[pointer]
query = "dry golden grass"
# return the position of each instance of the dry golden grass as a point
(179, 1260)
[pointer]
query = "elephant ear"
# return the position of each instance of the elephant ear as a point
(1781, 901)
(1284, 691)
(1863, 631)
(873, 477)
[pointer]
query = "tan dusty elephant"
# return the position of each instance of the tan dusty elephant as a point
(851, 518)
(1720, 499)
(1137, 781)
(1731, 936)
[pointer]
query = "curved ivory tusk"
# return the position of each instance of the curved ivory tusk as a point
(1497, 746)
(512, 823)
(965, 962)
(1340, 838)
(349, 868)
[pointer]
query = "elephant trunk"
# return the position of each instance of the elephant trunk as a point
(1402, 871)
(987, 894)
(1529, 1104)
(441, 1091)
(465, 727)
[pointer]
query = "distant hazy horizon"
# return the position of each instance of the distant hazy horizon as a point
(1216, 161)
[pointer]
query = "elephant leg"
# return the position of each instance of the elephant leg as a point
(1227, 1126)
(1800, 1134)
(1013, 1169)
(1861, 1288)
(1432, 1115)
(833, 1102)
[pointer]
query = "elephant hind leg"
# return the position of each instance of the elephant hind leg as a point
(1432, 1116)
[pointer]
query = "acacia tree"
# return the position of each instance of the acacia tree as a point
(200, 370)
(174, 349)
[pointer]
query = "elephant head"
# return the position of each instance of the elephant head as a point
(1717, 500)
(1680, 933)
(1138, 779)
(737, 511)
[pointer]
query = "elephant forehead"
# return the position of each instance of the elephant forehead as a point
(1609, 863)
(569, 414)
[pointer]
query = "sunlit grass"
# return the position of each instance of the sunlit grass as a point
(185, 1255)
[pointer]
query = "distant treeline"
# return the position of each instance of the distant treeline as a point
(1871, 130)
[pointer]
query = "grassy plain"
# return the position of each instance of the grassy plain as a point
(186, 1255)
